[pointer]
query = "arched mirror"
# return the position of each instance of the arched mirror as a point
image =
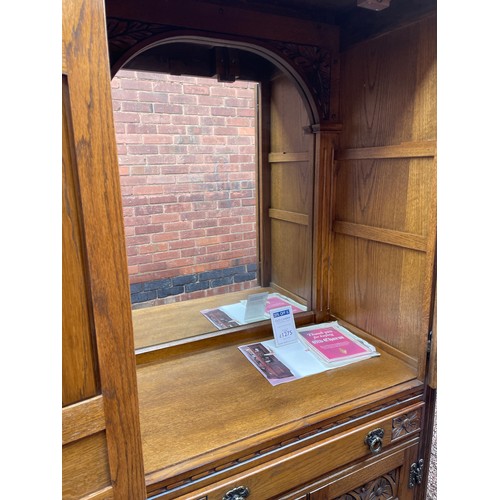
(216, 156)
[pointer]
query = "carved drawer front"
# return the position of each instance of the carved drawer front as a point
(383, 487)
(383, 478)
(302, 465)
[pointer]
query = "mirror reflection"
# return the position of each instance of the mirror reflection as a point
(192, 191)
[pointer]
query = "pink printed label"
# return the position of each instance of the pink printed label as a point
(275, 302)
(332, 344)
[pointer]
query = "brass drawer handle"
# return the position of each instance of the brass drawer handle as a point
(239, 493)
(374, 440)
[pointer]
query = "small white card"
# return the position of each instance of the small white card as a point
(284, 329)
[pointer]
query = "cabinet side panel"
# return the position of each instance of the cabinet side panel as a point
(384, 229)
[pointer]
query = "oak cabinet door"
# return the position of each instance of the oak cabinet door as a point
(102, 452)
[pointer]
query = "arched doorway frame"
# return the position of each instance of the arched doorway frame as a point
(257, 47)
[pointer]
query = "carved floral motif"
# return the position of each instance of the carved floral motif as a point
(383, 488)
(314, 63)
(406, 423)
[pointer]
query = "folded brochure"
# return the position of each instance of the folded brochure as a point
(301, 359)
(332, 345)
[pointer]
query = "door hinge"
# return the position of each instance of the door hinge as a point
(416, 473)
(429, 341)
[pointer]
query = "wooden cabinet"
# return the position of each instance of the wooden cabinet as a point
(194, 420)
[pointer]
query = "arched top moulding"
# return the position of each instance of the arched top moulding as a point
(313, 68)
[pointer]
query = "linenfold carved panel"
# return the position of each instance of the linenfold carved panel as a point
(311, 62)
(383, 488)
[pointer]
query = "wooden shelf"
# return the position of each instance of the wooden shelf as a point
(180, 320)
(170, 323)
(222, 408)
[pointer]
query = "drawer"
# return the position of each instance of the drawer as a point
(313, 460)
(386, 476)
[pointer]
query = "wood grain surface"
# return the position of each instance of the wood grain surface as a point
(222, 406)
(384, 229)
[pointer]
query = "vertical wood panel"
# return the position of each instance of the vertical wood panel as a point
(79, 364)
(432, 381)
(97, 177)
(372, 192)
(377, 109)
(264, 179)
(288, 116)
(425, 117)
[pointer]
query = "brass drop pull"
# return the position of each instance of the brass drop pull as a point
(239, 493)
(374, 440)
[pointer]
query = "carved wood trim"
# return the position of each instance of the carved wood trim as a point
(123, 34)
(313, 63)
(405, 424)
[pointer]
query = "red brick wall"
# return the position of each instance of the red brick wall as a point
(186, 150)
